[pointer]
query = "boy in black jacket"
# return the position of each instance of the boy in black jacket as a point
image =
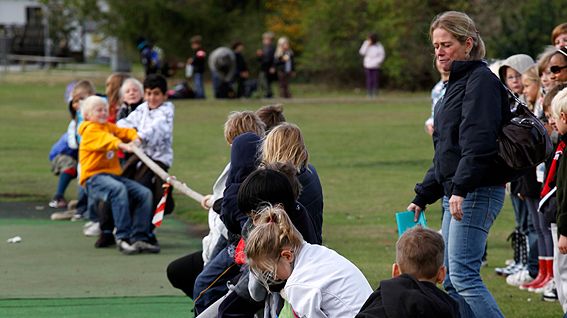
(413, 291)
(197, 61)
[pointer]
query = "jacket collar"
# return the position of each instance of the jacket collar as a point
(460, 68)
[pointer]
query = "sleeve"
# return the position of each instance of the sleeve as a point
(305, 301)
(230, 215)
(72, 135)
(561, 199)
(481, 118)
(96, 139)
(157, 129)
(429, 190)
(381, 54)
(364, 47)
(125, 134)
(132, 121)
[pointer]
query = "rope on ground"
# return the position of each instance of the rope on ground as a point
(176, 184)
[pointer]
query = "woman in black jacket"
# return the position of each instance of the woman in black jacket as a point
(464, 172)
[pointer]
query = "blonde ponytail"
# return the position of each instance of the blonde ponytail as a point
(272, 233)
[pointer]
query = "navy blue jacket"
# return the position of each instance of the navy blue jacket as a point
(243, 161)
(467, 123)
(311, 197)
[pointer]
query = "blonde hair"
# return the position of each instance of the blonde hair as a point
(285, 144)
(238, 123)
(419, 252)
(273, 232)
(83, 86)
(271, 115)
(559, 103)
(134, 82)
(89, 104)
(462, 27)
(279, 49)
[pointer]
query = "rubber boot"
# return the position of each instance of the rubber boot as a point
(542, 273)
(539, 288)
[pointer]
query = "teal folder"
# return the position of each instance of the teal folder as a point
(405, 221)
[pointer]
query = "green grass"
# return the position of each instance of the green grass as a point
(369, 155)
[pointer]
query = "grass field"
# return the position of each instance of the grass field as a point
(369, 155)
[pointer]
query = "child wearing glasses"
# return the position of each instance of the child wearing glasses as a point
(318, 281)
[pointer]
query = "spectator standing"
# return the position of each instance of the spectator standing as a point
(198, 61)
(266, 59)
(374, 55)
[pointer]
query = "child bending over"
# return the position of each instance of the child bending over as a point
(100, 173)
(413, 291)
(318, 281)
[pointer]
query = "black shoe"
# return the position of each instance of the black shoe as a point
(105, 240)
(152, 239)
(145, 247)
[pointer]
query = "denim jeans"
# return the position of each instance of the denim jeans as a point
(525, 224)
(219, 270)
(198, 85)
(465, 242)
(123, 194)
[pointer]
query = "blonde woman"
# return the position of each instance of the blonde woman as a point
(285, 66)
(284, 144)
(464, 172)
(318, 282)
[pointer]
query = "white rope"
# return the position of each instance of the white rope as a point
(176, 184)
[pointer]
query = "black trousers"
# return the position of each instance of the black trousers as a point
(183, 271)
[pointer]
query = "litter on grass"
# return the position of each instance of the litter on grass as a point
(15, 239)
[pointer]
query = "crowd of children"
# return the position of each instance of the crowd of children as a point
(264, 249)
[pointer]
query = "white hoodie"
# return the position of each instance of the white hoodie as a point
(373, 54)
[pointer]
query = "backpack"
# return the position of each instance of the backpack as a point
(523, 141)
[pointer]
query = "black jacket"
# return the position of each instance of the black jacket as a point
(243, 161)
(467, 123)
(311, 198)
(406, 297)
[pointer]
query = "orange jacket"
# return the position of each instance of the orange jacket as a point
(99, 144)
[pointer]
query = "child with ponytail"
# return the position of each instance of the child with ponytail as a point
(318, 281)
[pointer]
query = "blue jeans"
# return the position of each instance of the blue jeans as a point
(221, 268)
(524, 223)
(465, 242)
(198, 85)
(123, 194)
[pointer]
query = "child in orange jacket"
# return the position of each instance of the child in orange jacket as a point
(100, 173)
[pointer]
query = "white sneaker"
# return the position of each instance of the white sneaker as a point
(91, 229)
(125, 247)
(520, 278)
(547, 287)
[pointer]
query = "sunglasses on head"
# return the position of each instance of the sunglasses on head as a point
(556, 69)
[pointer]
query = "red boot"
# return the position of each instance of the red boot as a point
(542, 273)
(540, 288)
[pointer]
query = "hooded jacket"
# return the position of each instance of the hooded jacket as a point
(97, 151)
(243, 161)
(311, 197)
(467, 123)
(407, 297)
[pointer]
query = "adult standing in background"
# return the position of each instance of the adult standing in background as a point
(198, 61)
(267, 69)
(465, 172)
(374, 55)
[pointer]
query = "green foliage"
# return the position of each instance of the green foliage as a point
(326, 35)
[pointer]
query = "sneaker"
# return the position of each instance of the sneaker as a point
(548, 286)
(76, 217)
(508, 270)
(125, 247)
(91, 229)
(105, 240)
(145, 247)
(58, 203)
(65, 215)
(520, 278)
(551, 294)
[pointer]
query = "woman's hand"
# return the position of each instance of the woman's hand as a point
(416, 210)
(562, 244)
(456, 207)
(205, 202)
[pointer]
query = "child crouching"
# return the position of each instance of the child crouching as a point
(318, 282)
(100, 173)
(413, 291)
